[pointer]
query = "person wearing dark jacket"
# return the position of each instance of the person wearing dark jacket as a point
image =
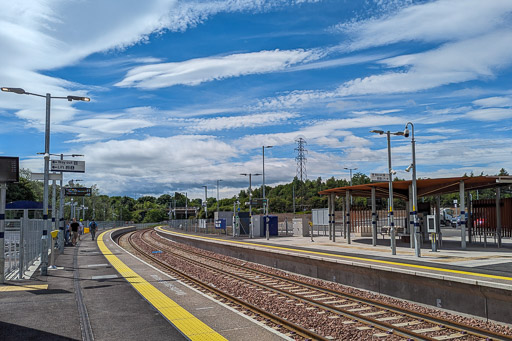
(74, 230)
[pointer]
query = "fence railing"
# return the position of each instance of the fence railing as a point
(23, 246)
(23, 243)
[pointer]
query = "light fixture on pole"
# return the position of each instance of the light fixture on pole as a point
(416, 231)
(49, 97)
(61, 205)
(251, 234)
(206, 202)
(350, 169)
(218, 204)
(264, 200)
(83, 199)
(391, 172)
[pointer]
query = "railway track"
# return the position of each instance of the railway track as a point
(368, 317)
(276, 322)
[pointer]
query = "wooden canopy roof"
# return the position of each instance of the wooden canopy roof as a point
(426, 187)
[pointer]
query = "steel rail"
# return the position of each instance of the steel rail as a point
(305, 333)
(466, 329)
(385, 327)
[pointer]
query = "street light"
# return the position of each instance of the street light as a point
(206, 202)
(417, 248)
(218, 204)
(48, 96)
(391, 172)
(251, 234)
(61, 204)
(350, 169)
(264, 201)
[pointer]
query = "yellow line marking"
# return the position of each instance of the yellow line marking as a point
(423, 267)
(185, 322)
(23, 287)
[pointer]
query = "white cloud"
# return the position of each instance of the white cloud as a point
(494, 102)
(490, 114)
(323, 133)
(233, 122)
(471, 59)
(47, 35)
(442, 130)
(103, 128)
(197, 71)
(436, 21)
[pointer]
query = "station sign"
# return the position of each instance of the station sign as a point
(51, 176)
(9, 169)
(78, 191)
(379, 177)
(67, 166)
(257, 202)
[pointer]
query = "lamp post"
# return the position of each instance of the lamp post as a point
(350, 169)
(83, 200)
(391, 221)
(416, 231)
(206, 202)
(251, 234)
(218, 204)
(264, 200)
(61, 205)
(49, 97)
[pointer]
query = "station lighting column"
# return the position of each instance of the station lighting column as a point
(350, 169)
(49, 97)
(416, 231)
(391, 221)
(251, 233)
(264, 200)
(218, 198)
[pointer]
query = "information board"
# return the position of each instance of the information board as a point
(379, 177)
(67, 166)
(78, 192)
(9, 169)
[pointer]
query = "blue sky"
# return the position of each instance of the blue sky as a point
(184, 93)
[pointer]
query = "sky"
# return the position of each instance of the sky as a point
(185, 93)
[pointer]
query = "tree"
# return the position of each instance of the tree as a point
(20, 191)
(155, 215)
(164, 200)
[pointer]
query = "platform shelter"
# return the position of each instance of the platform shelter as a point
(497, 221)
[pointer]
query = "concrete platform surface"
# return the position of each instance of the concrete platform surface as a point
(48, 307)
(489, 265)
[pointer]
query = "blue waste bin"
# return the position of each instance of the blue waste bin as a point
(271, 222)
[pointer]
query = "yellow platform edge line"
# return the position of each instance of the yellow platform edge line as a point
(184, 321)
(5, 288)
(423, 267)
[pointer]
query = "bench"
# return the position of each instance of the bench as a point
(386, 230)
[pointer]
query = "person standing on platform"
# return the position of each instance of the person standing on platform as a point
(92, 227)
(74, 230)
(80, 229)
(68, 234)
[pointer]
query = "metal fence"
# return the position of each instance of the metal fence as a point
(193, 225)
(23, 244)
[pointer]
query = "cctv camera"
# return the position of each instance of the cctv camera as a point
(408, 168)
(406, 132)
(393, 171)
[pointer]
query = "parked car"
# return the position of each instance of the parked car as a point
(456, 220)
(446, 216)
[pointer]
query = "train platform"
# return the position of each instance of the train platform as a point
(99, 291)
(476, 280)
(490, 265)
